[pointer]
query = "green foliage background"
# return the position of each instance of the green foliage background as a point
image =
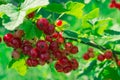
(88, 70)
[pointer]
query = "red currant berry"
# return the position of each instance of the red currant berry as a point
(74, 64)
(86, 56)
(44, 57)
(59, 23)
(16, 43)
(60, 40)
(8, 37)
(58, 67)
(64, 61)
(26, 49)
(53, 46)
(74, 50)
(101, 57)
(15, 55)
(48, 38)
(42, 46)
(67, 69)
(112, 5)
(108, 54)
(31, 62)
(42, 23)
(31, 15)
(49, 30)
(55, 35)
(34, 53)
(58, 54)
(118, 62)
(68, 46)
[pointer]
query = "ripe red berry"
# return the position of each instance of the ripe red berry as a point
(31, 62)
(15, 55)
(44, 57)
(118, 62)
(108, 54)
(67, 69)
(53, 46)
(59, 23)
(58, 54)
(112, 5)
(48, 38)
(64, 61)
(60, 40)
(42, 46)
(31, 15)
(42, 23)
(101, 57)
(74, 64)
(74, 50)
(86, 56)
(49, 30)
(8, 37)
(58, 67)
(68, 46)
(16, 43)
(55, 35)
(26, 49)
(34, 53)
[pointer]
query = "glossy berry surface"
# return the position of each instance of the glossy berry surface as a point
(86, 56)
(8, 37)
(59, 22)
(101, 57)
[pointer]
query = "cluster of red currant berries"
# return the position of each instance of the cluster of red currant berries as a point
(114, 4)
(101, 57)
(52, 48)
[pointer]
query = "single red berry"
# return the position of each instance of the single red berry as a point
(16, 43)
(58, 54)
(74, 64)
(15, 55)
(86, 56)
(118, 62)
(112, 5)
(53, 46)
(60, 40)
(74, 50)
(49, 30)
(48, 38)
(55, 35)
(59, 23)
(26, 49)
(42, 46)
(108, 54)
(34, 53)
(31, 62)
(64, 61)
(58, 67)
(67, 69)
(44, 57)
(101, 57)
(117, 5)
(42, 23)
(8, 37)
(68, 46)
(31, 15)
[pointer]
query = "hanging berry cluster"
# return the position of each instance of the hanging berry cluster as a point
(114, 4)
(52, 48)
(101, 57)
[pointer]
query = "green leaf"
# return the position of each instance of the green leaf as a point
(90, 16)
(75, 9)
(32, 5)
(112, 32)
(17, 15)
(20, 66)
(57, 8)
(16, 18)
(31, 31)
(86, 40)
(70, 34)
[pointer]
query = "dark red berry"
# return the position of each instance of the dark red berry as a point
(15, 55)
(42, 23)
(44, 56)
(16, 43)
(26, 49)
(67, 69)
(74, 64)
(31, 62)
(8, 37)
(101, 57)
(53, 46)
(74, 50)
(64, 61)
(55, 35)
(108, 54)
(86, 56)
(118, 62)
(48, 38)
(42, 46)
(49, 30)
(59, 23)
(68, 46)
(34, 53)
(58, 54)
(58, 67)
(31, 15)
